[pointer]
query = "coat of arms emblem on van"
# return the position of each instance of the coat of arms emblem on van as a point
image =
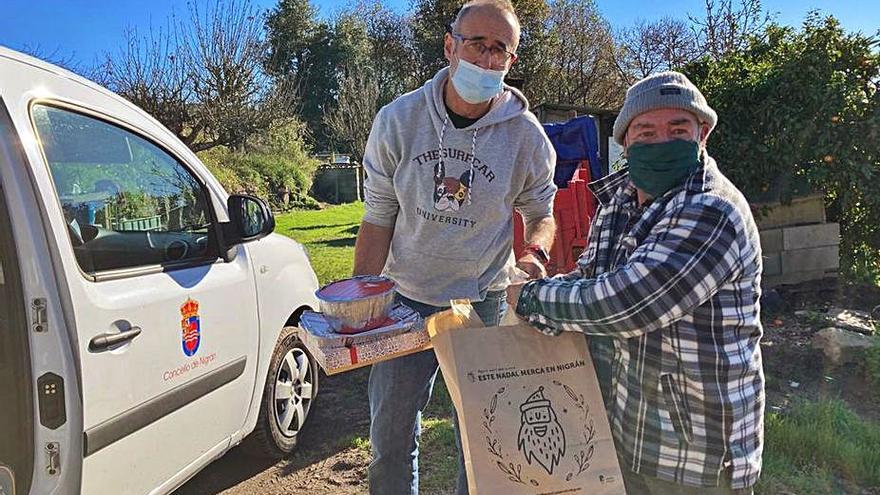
(190, 325)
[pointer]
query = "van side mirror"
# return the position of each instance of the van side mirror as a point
(250, 219)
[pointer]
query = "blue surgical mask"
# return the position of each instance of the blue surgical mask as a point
(475, 84)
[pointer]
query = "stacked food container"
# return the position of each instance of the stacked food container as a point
(360, 324)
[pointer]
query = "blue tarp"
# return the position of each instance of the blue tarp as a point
(575, 140)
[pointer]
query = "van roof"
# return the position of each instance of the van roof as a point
(22, 58)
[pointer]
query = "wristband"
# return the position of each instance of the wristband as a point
(539, 252)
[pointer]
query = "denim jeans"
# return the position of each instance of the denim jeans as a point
(399, 390)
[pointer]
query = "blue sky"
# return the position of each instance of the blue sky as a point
(81, 30)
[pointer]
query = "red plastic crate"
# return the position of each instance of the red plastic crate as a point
(573, 210)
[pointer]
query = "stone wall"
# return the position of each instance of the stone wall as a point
(798, 243)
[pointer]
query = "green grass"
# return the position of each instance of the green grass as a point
(353, 441)
(820, 448)
(441, 403)
(780, 475)
(328, 235)
(438, 464)
(361, 443)
(872, 365)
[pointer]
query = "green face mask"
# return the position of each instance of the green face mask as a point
(657, 168)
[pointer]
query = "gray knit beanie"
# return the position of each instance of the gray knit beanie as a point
(664, 90)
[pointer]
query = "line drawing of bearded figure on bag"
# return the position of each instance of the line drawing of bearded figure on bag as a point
(541, 437)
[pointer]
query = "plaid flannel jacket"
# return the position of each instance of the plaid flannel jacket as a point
(677, 286)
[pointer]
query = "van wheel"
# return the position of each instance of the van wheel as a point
(291, 386)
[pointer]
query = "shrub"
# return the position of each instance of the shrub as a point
(275, 166)
(802, 107)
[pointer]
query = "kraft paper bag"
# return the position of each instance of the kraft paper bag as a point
(529, 408)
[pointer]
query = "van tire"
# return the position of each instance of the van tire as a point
(297, 389)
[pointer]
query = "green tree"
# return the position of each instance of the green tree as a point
(294, 35)
(393, 64)
(802, 106)
(316, 56)
(292, 28)
(370, 80)
(532, 57)
(429, 21)
(346, 51)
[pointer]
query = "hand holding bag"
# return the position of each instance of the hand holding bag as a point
(530, 412)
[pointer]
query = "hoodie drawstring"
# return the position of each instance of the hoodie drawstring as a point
(472, 171)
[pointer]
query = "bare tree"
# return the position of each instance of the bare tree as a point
(57, 57)
(649, 47)
(669, 43)
(203, 78)
(351, 120)
(729, 24)
(151, 72)
(224, 52)
(580, 67)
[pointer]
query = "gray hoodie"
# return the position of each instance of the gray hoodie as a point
(450, 204)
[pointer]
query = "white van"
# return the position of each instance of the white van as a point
(146, 317)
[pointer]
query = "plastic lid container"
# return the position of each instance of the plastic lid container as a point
(357, 304)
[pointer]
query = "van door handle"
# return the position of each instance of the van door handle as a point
(107, 340)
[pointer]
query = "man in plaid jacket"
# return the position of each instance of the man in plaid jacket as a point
(672, 275)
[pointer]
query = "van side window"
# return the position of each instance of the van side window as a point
(127, 203)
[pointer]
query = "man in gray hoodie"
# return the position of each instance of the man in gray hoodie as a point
(446, 165)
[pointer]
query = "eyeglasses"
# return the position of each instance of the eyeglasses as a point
(475, 48)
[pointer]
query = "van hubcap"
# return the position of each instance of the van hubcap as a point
(293, 392)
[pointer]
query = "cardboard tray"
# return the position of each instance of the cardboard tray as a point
(337, 353)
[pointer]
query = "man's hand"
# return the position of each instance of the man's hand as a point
(530, 264)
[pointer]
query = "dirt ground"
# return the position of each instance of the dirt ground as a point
(794, 369)
(325, 461)
(330, 461)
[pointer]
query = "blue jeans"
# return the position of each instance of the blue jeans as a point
(399, 391)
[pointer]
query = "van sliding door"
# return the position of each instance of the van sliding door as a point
(17, 412)
(40, 403)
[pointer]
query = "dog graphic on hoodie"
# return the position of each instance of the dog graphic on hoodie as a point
(450, 194)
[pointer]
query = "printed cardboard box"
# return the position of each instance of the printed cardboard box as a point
(336, 353)
(530, 412)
